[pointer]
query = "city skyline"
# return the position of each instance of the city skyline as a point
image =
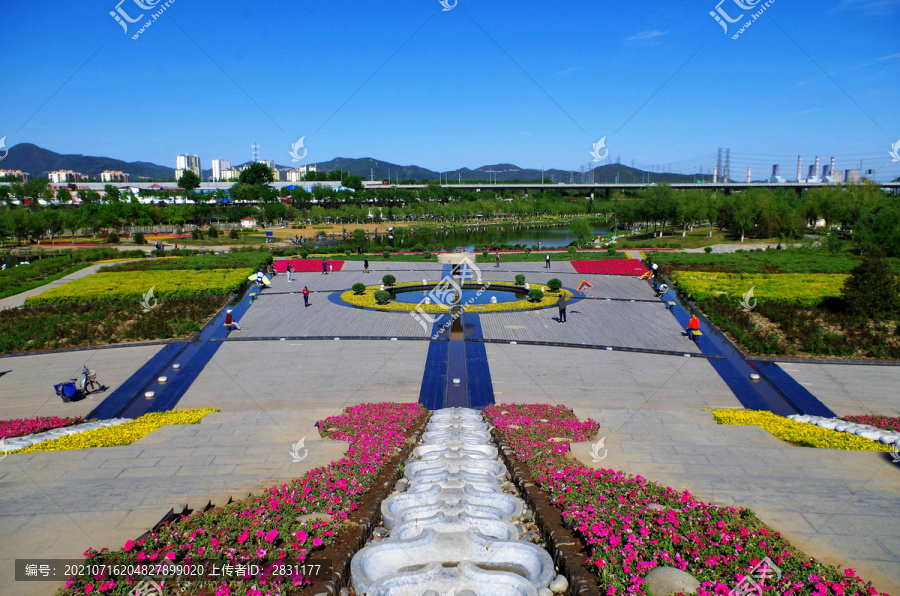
(664, 86)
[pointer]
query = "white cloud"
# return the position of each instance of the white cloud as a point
(647, 35)
(891, 57)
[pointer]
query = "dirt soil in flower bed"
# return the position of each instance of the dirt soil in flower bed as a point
(629, 525)
(781, 328)
(33, 328)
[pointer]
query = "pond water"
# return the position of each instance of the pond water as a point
(446, 297)
(473, 237)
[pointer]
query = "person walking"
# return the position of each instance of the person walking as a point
(693, 325)
(305, 296)
(324, 266)
(562, 304)
(366, 264)
(547, 260)
(290, 270)
(230, 322)
(498, 259)
(654, 268)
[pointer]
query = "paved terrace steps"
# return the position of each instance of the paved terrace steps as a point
(839, 506)
(56, 504)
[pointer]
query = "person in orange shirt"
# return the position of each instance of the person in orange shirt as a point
(693, 325)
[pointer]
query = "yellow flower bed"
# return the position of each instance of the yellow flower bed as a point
(808, 289)
(367, 300)
(132, 285)
(122, 434)
(798, 433)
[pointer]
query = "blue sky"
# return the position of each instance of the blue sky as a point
(530, 83)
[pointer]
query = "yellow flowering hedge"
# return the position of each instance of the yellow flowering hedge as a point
(131, 286)
(798, 433)
(367, 300)
(808, 289)
(122, 434)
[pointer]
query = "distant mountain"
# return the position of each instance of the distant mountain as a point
(368, 167)
(39, 162)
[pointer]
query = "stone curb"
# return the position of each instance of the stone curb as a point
(566, 549)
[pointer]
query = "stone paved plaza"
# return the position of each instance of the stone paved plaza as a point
(839, 506)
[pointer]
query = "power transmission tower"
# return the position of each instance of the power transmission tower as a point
(727, 176)
(719, 163)
(254, 152)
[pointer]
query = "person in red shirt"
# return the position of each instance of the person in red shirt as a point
(693, 325)
(230, 322)
(305, 296)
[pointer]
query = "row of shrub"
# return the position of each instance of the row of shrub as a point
(131, 287)
(237, 260)
(77, 325)
(15, 280)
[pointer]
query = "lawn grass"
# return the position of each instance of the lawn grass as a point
(699, 238)
(799, 260)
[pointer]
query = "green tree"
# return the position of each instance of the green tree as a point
(872, 290)
(34, 188)
(257, 174)
(581, 229)
(189, 180)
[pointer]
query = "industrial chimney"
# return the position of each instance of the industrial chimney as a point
(716, 175)
(799, 168)
(816, 171)
(775, 171)
(748, 175)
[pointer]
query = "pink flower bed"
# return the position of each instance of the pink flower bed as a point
(20, 427)
(263, 530)
(611, 267)
(626, 538)
(884, 422)
(311, 265)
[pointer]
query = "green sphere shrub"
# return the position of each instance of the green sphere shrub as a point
(386, 254)
(359, 288)
(520, 280)
(382, 297)
(213, 232)
(708, 249)
(388, 280)
(112, 238)
(427, 255)
(535, 295)
(138, 238)
(610, 251)
(234, 234)
(304, 254)
(554, 284)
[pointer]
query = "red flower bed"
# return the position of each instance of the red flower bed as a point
(883, 422)
(611, 267)
(19, 427)
(631, 525)
(306, 265)
(263, 530)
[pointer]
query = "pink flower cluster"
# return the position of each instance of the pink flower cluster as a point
(264, 530)
(611, 267)
(631, 525)
(20, 427)
(311, 265)
(883, 422)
